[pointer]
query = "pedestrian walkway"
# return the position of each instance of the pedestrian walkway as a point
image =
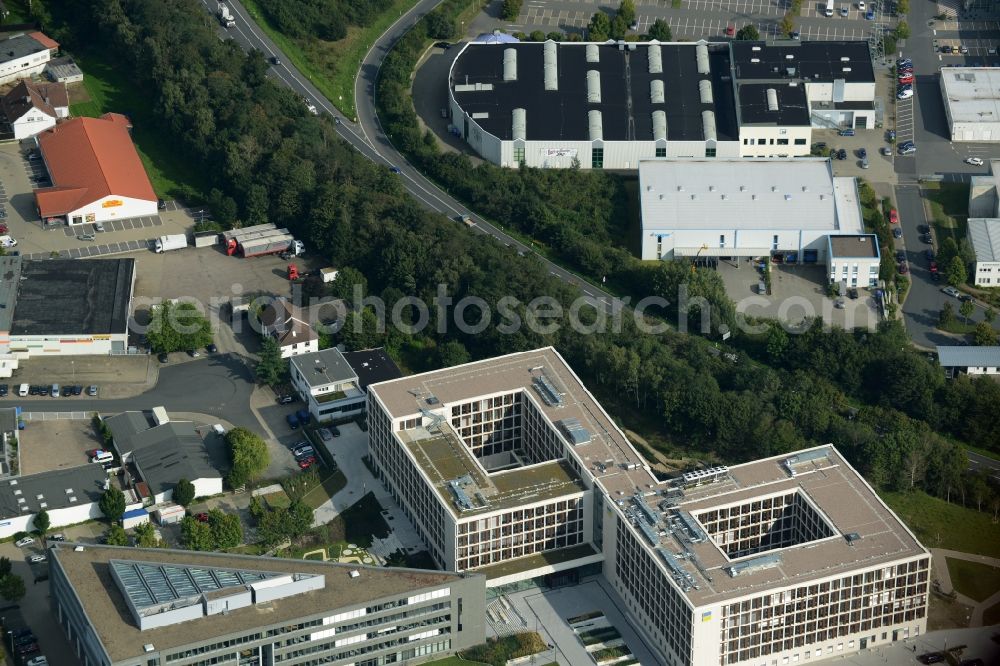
(943, 577)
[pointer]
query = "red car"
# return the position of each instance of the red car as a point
(730, 30)
(201, 517)
(893, 216)
(905, 78)
(93, 452)
(903, 270)
(3, 228)
(306, 463)
(934, 268)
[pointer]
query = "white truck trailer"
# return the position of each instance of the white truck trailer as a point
(170, 242)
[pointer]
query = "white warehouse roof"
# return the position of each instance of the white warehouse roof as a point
(968, 357)
(748, 194)
(973, 93)
(984, 234)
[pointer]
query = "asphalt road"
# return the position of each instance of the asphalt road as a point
(218, 385)
(991, 466)
(367, 137)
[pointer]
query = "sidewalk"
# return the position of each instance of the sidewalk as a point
(943, 577)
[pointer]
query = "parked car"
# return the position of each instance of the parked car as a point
(897, 233)
(846, 132)
(162, 357)
(40, 660)
(59, 536)
(852, 293)
(92, 390)
(303, 453)
(890, 136)
(394, 169)
(964, 297)
(335, 430)
(906, 78)
(886, 150)
(931, 658)
(933, 267)
(946, 48)
(285, 399)
(99, 227)
(201, 517)
(862, 153)
(211, 348)
(293, 421)
(963, 49)
(844, 12)
(275, 61)
(306, 463)
(842, 154)
(161, 204)
(730, 31)
(927, 238)
(893, 216)
(36, 559)
(27, 648)
(861, 6)
(900, 255)
(26, 541)
(298, 445)
(193, 353)
(904, 94)
(907, 148)
(324, 434)
(951, 291)
(870, 15)
(864, 162)
(4, 390)
(929, 255)
(303, 416)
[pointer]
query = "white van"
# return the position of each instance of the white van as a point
(828, 10)
(103, 457)
(23, 390)
(55, 391)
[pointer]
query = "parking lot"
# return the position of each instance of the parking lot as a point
(56, 444)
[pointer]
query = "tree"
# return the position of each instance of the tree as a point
(660, 31)
(452, 353)
(145, 536)
(300, 519)
(248, 455)
(626, 10)
(947, 315)
(537, 36)
(42, 522)
(227, 531)
(177, 326)
(112, 503)
(985, 335)
(272, 528)
(271, 369)
(440, 26)
(5, 566)
(748, 33)
(955, 272)
(511, 9)
(115, 536)
(12, 587)
(902, 7)
(966, 308)
(183, 492)
(619, 27)
(787, 25)
(902, 30)
(196, 535)
(990, 315)
(600, 27)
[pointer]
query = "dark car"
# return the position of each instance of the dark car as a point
(929, 255)
(27, 648)
(43, 390)
(193, 353)
(945, 49)
(924, 229)
(303, 416)
(285, 399)
(161, 204)
(162, 357)
(211, 348)
(77, 390)
(819, 145)
(4, 389)
(394, 169)
(965, 297)
(927, 238)
(846, 132)
(852, 292)
(900, 255)
(335, 430)
(842, 154)
(24, 639)
(862, 153)
(293, 421)
(275, 61)
(931, 657)
(34, 390)
(897, 232)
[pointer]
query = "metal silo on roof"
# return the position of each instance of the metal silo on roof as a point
(596, 125)
(659, 125)
(509, 65)
(701, 54)
(550, 65)
(772, 99)
(519, 128)
(705, 90)
(655, 59)
(593, 53)
(708, 122)
(656, 92)
(593, 86)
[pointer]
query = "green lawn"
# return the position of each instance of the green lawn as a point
(331, 66)
(109, 90)
(973, 579)
(949, 203)
(958, 326)
(327, 488)
(453, 661)
(939, 524)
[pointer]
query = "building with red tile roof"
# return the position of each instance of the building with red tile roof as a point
(96, 173)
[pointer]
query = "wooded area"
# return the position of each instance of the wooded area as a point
(870, 393)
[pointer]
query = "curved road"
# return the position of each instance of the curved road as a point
(367, 137)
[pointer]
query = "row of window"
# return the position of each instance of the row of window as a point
(772, 142)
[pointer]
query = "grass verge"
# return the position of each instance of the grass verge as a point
(331, 66)
(939, 524)
(454, 661)
(949, 204)
(109, 90)
(973, 579)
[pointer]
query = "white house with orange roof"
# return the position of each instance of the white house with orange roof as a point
(30, 108)
(96, 173)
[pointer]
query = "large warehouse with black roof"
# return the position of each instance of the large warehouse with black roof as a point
(65, 306)
(612, 104)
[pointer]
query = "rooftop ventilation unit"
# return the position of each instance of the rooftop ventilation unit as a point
(659, 126)
(701, 55)
(851, 537)
(593, 53)
(655, 59)
(754, 565)
(845, 59)
(462, 500)
(656, 95)
(509, 65)
(788, 197)
(708, 125)
(789, 57)
(694, 529)
(755, 48)
(772, 99)
(432, 400)
(547, 391)
(651, 535)
(705, 91)
(702, 476)
(519, 126)
(574, 432)
(806, 456)
(593, 86)
(550, 65)
(681, 577)
(595, 125)
(644, 508)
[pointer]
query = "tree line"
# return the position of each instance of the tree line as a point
(761, 394)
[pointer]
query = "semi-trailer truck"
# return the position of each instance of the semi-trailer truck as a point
(171, 242)
(259, 240)
(225, 16)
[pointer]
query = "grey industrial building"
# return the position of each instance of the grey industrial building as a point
(147, 607)
(610, 105)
